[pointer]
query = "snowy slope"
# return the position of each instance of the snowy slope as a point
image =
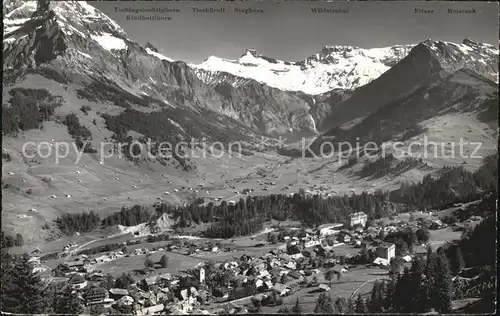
(335, 67)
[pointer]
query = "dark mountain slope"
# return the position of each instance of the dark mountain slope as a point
(463, 91)
(426, 64)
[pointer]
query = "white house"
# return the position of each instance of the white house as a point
(264, 274)
(151, 310)
(202, 275)
(259, 283)
(126, 300)
(78, 282)
(104, 258)
(329, 229)
(358, 218)
(296, 256)
(386, 251)
(324, 287)
(381, 261)
(312, 243)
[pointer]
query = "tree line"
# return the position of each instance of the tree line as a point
(454, 184)
(25, 292)
(88, 221)
(428, 284)
(386, 166)
(12, 241)
(248, 215)
(135, 215)
(80, 222)
(424, 287)
(27, 109)
(80, 133)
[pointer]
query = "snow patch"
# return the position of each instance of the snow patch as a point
(176, 124)
(83, 54)
(313, 123)
(90, 9)
(15, 21)
(9, 40)
(28, 5)
(158, 55)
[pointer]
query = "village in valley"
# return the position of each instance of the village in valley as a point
(332, 168)
(284, 267)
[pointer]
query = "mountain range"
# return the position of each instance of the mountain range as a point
(71, 72)
(74, 42)
(334, 67)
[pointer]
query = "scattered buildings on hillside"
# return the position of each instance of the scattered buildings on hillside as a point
(306, 252)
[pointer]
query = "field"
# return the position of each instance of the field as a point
(440, 236)
(116, 183)
(94, 188)
(176, 264)
(80, 184)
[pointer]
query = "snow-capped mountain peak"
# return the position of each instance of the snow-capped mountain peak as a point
(250, 52)
(334, 67)
(37, 32)
(74, 13)
(58, 26)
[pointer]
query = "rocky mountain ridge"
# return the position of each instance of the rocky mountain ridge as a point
(427, 63)
(73, 42)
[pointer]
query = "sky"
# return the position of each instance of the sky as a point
(290, 31)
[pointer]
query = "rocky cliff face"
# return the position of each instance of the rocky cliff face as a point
(479, 57)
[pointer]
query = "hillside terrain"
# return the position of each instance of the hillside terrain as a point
(96, 86)
(354, 181)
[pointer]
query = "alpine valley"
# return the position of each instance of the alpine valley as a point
(73, 75)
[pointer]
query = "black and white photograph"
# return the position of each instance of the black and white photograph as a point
(249, 157)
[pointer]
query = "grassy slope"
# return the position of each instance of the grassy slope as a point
(98, 181)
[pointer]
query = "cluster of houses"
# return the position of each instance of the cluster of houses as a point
(278, 271)
(159, 293)
(38, 267)
(153, 294)
(69, 247)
